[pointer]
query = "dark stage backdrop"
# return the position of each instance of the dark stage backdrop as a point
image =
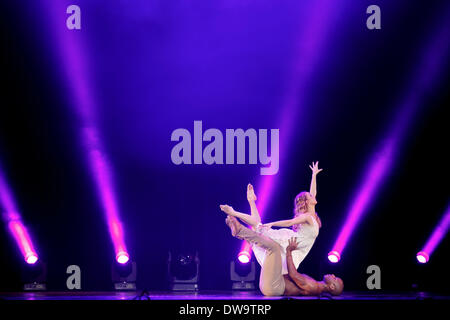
(157, 66)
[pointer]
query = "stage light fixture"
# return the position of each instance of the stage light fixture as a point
(122, 257)
(34, 275)
(334, 256)
(422, 257)
(31, 258)
(243, 275)
(244, 257)
(124, 275)
(183, 271)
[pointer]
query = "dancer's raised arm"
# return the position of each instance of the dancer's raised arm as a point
(306, 284)
(315, 170)
(292, 271)
(302, 218)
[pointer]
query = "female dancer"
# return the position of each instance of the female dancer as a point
(305, 223)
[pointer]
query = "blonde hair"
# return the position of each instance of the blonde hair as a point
(300, 202)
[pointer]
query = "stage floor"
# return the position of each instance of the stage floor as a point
(213, 295)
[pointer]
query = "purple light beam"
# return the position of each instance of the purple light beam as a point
(73, 57)
(309, 47)
(382, 161)
(13, 219)
(436, 237)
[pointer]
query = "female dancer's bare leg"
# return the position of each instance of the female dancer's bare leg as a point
(252, 219)
(271, 280)
(251, 197)
(248, 219)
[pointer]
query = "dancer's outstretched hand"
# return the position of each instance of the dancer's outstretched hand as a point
(315, 168)
(227, 209)
(292, 244)
(251, 196)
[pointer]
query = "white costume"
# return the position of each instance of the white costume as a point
(305, 235)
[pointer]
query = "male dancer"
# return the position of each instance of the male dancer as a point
(271, 281)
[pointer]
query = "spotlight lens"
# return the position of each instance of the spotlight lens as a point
(31, 259)
(334, 256)
(244, 257)
(122, 257)
(422, 257)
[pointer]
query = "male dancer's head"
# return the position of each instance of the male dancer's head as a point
(333, 284)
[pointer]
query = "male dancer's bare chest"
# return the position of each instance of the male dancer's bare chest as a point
(292, 289)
